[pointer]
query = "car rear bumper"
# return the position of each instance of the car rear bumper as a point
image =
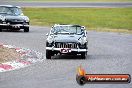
(71, 50)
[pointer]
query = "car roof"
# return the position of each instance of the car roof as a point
(9, 6)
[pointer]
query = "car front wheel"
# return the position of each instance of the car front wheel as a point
(0, 30)
(83, 55)
(48, 54)
(26, 29)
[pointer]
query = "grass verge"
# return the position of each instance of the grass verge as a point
(100, 19)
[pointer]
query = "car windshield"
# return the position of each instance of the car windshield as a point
(10, 10)
(67, 30)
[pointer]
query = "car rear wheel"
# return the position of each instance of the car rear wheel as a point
(48, 54)
(83, 55)
(26, 29)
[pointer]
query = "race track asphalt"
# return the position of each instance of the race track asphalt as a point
(67, 4)
(108, 53)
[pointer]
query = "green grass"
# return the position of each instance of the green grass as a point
(102, 19)
(80, 0)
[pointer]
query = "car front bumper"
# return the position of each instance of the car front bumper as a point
(71, 50)
(13, 26)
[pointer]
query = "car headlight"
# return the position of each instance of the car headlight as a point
(26, 19)
(2, 18)
(50, 39)
(22, 14)
(82, 40)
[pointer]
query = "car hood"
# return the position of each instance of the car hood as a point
(66, 38)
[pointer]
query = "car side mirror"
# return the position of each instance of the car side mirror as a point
(47, 34)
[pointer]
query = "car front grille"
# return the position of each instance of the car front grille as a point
(15, 21)
(66, 45)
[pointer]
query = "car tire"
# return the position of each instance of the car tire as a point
(48, 54)
(26, 29)
(83, 55)
(0, 30)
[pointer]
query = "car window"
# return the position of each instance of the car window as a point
(10, 10)
(3, 10)
(67, 30)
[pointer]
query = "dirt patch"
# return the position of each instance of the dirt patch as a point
(7, 54)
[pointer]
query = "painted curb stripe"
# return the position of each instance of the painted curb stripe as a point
(28, 57)
(6, 66)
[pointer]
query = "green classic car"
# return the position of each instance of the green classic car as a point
(12, 18)
(67, 39)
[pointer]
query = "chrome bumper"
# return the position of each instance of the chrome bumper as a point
(14, 25)
(72, 50)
